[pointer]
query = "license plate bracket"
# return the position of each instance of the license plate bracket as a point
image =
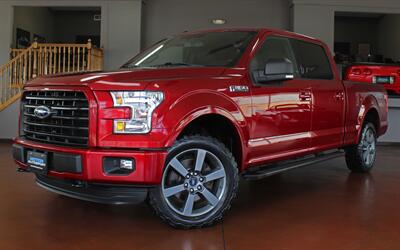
(37, 162)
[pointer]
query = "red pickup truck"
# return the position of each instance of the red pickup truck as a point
(387, 75)
(180, 122)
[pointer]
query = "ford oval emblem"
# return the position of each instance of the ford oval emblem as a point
(42, 112)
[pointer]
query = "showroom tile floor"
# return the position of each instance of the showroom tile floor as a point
(319, 207)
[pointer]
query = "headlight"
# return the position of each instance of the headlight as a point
(142, 104)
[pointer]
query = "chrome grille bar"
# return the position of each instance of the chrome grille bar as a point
(68, 123)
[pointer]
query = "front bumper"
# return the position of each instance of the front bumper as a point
(94, 192)
(87, 164)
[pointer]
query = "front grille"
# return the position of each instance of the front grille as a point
(68, 123)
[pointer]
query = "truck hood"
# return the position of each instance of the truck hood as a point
(136, 79)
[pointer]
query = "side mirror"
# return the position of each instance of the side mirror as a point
(276, 69)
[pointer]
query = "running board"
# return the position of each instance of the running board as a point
(256, 173)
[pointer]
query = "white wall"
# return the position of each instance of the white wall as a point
(9, 121)
(123, 38)
(8, 117)
(393, 133)
(162, 18)
(6, 15)
(315, 21)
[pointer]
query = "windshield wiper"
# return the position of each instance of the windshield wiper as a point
(173, 64)
(168, 64)
(136, 67)
(129, 67)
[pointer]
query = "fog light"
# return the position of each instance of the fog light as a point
(118, 166)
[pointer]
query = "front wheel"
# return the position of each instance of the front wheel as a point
(361, 158)
(199, 181)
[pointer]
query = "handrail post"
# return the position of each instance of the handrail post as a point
(35, 63)
(89, 56)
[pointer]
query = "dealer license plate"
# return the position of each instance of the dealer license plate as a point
(384, 79)
(37, 162)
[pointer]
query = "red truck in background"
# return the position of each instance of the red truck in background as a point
(179, 123)
(387, 75)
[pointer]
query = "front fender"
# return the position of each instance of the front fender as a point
(197, 103)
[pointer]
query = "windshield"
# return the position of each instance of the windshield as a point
(213, 49)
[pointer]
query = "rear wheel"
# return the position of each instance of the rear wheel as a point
(199, 182)
(361, 157)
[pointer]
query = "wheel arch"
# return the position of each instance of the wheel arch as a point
(372, 116)
(217, 123)
(368, 113)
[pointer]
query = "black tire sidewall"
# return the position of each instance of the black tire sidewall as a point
(230, 167)
(368, 126)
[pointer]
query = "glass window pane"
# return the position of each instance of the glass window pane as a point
(313, 63)
(220, 49)
(273, 48)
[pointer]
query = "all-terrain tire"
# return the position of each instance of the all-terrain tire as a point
(216, 152)
(360, 158)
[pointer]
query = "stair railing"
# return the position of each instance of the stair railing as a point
(45, 59)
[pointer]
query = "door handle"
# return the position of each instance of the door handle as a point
(305, 96)
(339, 96)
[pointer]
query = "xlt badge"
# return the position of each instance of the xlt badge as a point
(238, 88)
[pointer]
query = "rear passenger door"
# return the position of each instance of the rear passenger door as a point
(327, 119)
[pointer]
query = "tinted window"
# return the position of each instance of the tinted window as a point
(312, 60)
(273, 48)
(202, 49)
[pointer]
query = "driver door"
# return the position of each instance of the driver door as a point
(281, 110)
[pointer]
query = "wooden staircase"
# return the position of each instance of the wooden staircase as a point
(45, 59)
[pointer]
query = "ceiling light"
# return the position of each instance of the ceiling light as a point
(219, 21)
